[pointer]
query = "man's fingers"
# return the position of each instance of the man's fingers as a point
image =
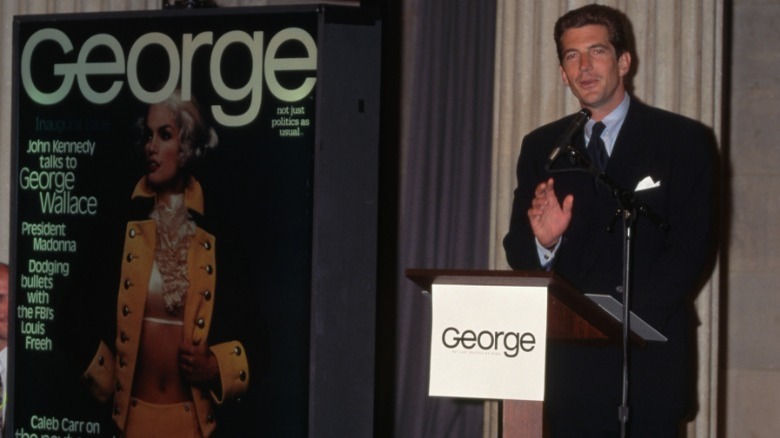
(550, 190)
(568, 203)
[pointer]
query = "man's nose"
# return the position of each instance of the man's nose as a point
(585, 63)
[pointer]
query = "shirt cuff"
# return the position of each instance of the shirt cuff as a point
(546, 255)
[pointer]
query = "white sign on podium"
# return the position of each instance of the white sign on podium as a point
(488, 342)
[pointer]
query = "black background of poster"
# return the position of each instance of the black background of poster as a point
(258, 190)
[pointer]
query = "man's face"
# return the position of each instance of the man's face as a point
(592, 70)
(3, 303)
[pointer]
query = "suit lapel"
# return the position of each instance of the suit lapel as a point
(633, 151)
(634, 148)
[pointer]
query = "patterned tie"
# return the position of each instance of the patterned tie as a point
(596, 148)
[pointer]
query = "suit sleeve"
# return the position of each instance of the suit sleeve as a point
(233, 370)
(99, 376)
(519, 243)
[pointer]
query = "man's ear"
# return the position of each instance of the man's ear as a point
(624, 63)
(563, 76)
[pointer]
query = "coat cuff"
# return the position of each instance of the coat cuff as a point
(233, 370)
(99, 376)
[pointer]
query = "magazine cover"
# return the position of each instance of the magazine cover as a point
(162, 217)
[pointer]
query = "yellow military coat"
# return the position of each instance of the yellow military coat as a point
(111, 373)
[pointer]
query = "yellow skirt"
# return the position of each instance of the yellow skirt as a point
(150, 420)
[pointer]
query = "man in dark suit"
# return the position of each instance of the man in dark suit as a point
(559, 219)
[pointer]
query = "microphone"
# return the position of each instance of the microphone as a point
(565, 139)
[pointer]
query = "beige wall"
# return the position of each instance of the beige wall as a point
(752, 308)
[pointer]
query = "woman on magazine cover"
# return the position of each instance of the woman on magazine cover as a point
(170, 366)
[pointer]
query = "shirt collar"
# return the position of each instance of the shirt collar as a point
(613, 121)
(193, 193)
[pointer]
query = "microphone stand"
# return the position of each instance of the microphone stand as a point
(630, 206)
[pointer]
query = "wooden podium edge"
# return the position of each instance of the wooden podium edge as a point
(571, 315)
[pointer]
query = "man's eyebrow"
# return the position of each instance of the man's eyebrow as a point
(592, 46)
(598, 46)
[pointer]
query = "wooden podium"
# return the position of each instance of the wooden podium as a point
(571, 316)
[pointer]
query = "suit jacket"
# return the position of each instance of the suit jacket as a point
(667, 265)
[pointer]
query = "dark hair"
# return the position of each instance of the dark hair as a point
(614, 20)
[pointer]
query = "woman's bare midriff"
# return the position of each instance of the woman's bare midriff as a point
(157, 377)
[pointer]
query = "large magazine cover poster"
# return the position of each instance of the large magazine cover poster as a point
(163, 168)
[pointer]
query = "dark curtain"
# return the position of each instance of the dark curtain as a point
(444, 206)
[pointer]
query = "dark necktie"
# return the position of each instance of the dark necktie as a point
(596, 148)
